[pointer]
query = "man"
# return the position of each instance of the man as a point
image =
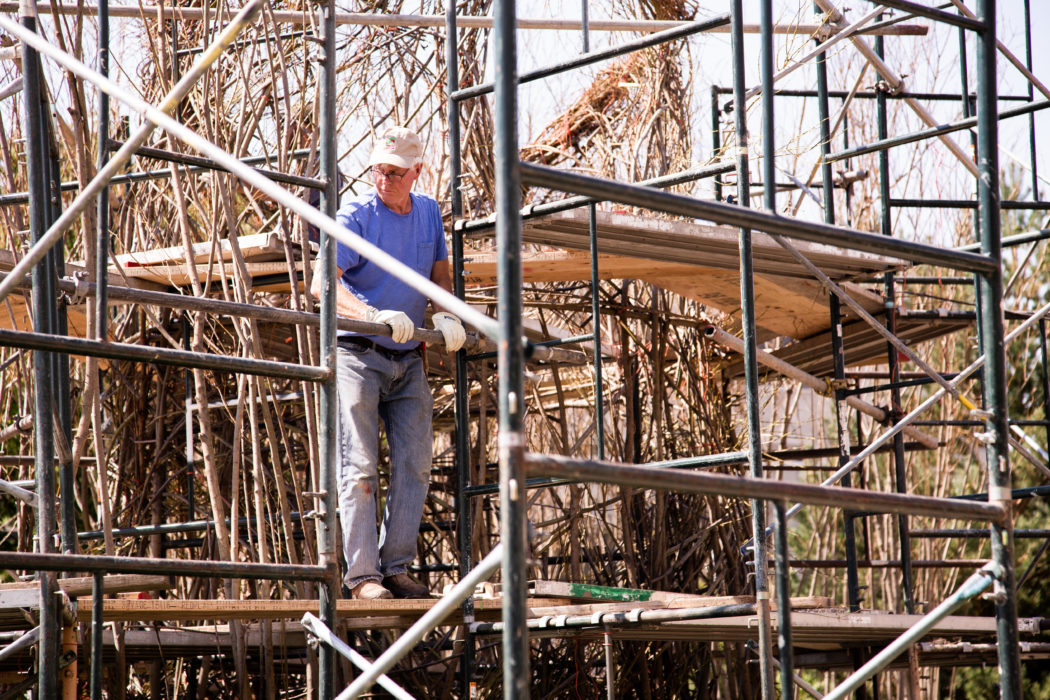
(383, 377)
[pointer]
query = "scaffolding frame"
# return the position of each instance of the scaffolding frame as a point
(515, 463)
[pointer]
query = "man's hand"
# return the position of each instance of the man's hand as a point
(451, 329)
(401, 326)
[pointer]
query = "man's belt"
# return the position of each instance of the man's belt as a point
(368, 343)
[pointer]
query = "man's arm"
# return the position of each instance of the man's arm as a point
(346, 304)
(441, 275)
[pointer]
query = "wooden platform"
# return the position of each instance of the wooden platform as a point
(825, 629)
(696, 260)
(863, 345)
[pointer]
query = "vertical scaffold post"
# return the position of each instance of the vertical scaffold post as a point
(747, 306)
(510, 356)
(900, 476)
(838, 352)
(43, 436)
(990, 313)
(326, 525)
(464, 520)
(102, 204)
(787, 657)
(596, 307)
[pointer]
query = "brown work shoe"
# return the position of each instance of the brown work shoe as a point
(402, 586)
(370, 590)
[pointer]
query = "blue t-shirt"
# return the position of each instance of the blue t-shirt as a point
(417, 239)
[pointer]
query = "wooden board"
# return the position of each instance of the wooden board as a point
(795, 307)
(179, 276)
(256, 247)
(696, 243)
(135, 610)
(825, 629)
(863, 345)
(112, 583)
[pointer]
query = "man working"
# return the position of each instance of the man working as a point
(381, 377)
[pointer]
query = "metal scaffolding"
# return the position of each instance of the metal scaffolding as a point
(43, 270)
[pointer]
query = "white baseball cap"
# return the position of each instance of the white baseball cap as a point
(397, 146)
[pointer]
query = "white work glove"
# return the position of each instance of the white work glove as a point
(401, 326)
(451, 330)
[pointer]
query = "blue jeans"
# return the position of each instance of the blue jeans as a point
(373, 386)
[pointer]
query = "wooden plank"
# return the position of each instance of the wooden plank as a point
(664, 599)
(178, 275)
(785, 306)
(696, 243)
(251, 246)
(112, 583)
(815, 629)
(134, 610)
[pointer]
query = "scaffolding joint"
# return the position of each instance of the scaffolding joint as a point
(891, 89)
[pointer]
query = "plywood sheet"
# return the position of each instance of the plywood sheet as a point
(696, 243)
(795, 307)
(863, 345)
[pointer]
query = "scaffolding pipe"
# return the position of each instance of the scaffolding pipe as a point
(877, 444)
(743, 487)
(532, 211)
(298, 17)
(933, 13)
(1025, 71)
(896, 83)
(98, 563)
(586, 59)
(36, 147)
(638, 616)
(328, 456)
(939, 130)
(431, 619)
(731, 215)
(815, 383)
(1015, 240)
(280, 195)
(88, 195)
(461, 385)
(318, 629)
(816, 53)
(783, 569)
(760, 548)
(162, 356)
(97, 597)
(102, 236)
(969, 589)
(26, 640)
(142, 176)
(991, 322)
(206, 164)
(511, 379)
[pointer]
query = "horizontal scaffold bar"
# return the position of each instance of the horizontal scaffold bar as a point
(941, 130)
(592, 57)
(161, 356)
(35, 561)
(208, 164)
(127, 178)
(535, 210)
(933, 13)
(732, 215)
(373, 19)
(743, 487)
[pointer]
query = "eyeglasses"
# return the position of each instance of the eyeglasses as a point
(390, 174)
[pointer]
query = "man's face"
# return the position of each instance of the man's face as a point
(394, 183)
